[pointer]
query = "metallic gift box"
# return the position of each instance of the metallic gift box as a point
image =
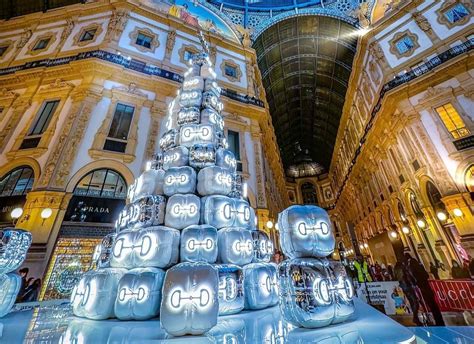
(190, 303)
(175, 157)
(231, 289)
(199, 244)
(179, 180)
(235, 246)
(192, 134)
(260, 285)
(201, 156)
(183, 211)
(222, 211)
(262, 247)
(214, 180)
(14, 244)
(306, 231)
(10, 285)
(149, 183)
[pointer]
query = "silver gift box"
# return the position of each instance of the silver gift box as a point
(94, 296)
(211, 100)
(214, 180)
(195, 83)
(189, 303)
(231, 289)
(105, 251)
(189, 115)
(175, 157)
(306, 231)
(179, 180)
(235, 246)
(139, 294)
(149, 247)
(14, 244)
(199, 244)
(222, 211)
(263, 248)
(146, 211)
(314, 292)
(260, 285)
(190, 98)
(211, 116)
(183, 211)
(169, 140)
(192, 134)
(226, 159)
(149, 183)
(201, 156)
(9, 288)
(210, 85)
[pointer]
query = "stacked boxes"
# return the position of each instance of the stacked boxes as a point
(314, 290)
(14, 244)
(187, 207)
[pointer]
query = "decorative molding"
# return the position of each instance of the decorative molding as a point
(448, 4)
(70, 23)
(77, 38)
(131, 89)
(117, 24)
(422, 22)
(24, 38)
(397, 37)
(147, 32)
(52, 38)
(231, 63)
(170, 41)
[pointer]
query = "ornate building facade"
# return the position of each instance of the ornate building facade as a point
(361, 107)
(403, 162)
(83, 93)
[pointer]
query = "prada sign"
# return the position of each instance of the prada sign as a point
(7, 204)
(92, 209)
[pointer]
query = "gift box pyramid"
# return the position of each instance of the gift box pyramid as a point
(186, 247)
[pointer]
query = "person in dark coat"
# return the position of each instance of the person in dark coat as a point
(421, 277)
(32, 291)
(406, 284)
(434, 271)
(458, 271)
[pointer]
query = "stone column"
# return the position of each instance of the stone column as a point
(464, 223)
(19, 106)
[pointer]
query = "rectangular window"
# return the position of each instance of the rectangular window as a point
(88, 35)
(119, 128)
(188, 55)
(144, 40)
(40, 125)
(404, 44)
(42, 44)
(230, 71)
(456, 13)
(3, 49)
(452, 121)
(234, 146)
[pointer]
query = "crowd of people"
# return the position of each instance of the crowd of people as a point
(30, 287)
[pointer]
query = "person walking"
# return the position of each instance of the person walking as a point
(32, 291)
(421, 277)
(362, 270)
(407, 285)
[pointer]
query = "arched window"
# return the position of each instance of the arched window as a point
(17, 182)
(434, 196)
(308, 191)
(469, 180)
(102, 183)
(401, 211)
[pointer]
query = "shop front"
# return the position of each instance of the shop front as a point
(96, 203)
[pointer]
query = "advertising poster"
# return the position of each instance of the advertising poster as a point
(387, 294)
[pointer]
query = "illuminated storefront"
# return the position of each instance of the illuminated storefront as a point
(98, 198)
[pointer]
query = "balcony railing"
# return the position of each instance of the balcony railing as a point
(128, 63)
(404, 79)
(464, 143)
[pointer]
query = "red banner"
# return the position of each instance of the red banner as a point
(454, 295)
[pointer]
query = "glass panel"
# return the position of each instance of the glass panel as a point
(42, 44)
(230, 71)
(103, 183)
(234, 143)
(44, 117)
(452, 120)
(144, 40)
(309, 194)
(96, 184)
(17, 182)
(188, 55)
(110, 184)
(3, 49)
(456, 13)
(404, 44)
(88, 35)
(121, 122)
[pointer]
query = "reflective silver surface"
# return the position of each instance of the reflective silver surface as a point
(139, 294)
(9, 287)
(235, 246)
(175, 157)
(260, 285)
(150, 182)
(201, 156)
(191, 134)
(183, 211)
(189, 303)
(14, 243)
(214, 180)
(56, 324)
(306, 231)
(179, 180)
(199, 244)
(221, 211)
(231, 289)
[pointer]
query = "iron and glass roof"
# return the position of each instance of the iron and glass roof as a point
(306, 63)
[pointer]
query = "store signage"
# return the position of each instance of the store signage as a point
(93, 209)
(454, 295)
(7, 204)
(386, 294)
